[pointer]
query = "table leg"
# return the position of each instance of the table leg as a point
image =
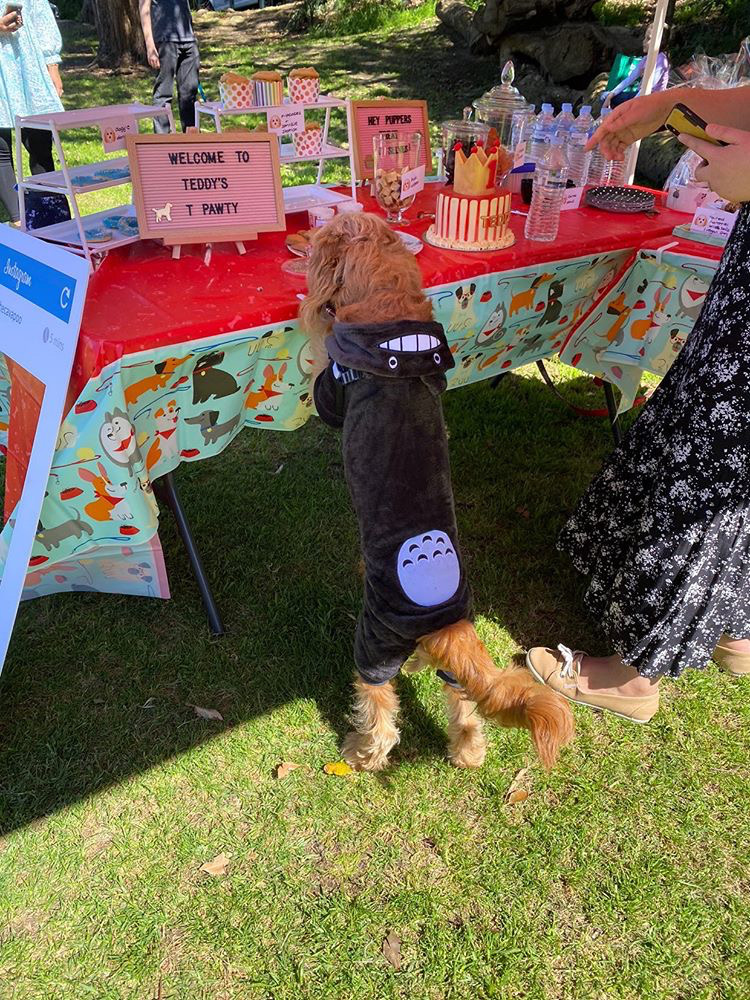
(609, 395)
(165, 489)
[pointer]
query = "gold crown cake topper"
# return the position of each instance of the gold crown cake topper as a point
(475, 174)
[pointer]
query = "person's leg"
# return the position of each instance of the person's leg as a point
(188, 66)
(164, 83)
(38, 143)
(8, 194)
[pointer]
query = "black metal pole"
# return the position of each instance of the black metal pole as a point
(609, 395)
(166, 489)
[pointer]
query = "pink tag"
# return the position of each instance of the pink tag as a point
(412, 181)
(283, 121)
(571, 199)
(114, 131)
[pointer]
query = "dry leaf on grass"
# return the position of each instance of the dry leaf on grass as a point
(523, 512)
(392, 950)
(218, 866)
(515, 793)
(340, 768)
(97, 843)
(208, 713)
(284, 769)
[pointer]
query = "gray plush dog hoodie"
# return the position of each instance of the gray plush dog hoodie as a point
(383, 386)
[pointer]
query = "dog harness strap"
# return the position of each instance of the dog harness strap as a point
(344, 375)
(448, 678)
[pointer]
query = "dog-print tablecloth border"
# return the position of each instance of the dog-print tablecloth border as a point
(643, 322)
(147, 413)
(139, 419)
(498, 322)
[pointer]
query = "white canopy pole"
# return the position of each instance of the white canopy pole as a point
(657, 30)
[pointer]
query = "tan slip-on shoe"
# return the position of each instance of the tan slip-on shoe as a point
(560, 669)
(738, 664)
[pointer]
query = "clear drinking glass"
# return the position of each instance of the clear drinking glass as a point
(394, 154)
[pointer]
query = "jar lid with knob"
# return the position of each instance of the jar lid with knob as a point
(497, 106)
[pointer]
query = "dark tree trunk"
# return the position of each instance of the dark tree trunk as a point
(118, 27)
(87, 12)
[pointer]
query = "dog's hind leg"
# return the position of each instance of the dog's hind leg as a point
(375, 734)
(467, 745)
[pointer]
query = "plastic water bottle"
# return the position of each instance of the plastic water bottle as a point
(564, 121)
(599, 165)
(616, 173)
(585, 119)
(528, 132)
(543, 131)
(578, 157)
(550, 180)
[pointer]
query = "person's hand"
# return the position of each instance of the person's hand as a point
(10, 22)
(152, 55)
(631, 121)
(725, 170)
(54, 71)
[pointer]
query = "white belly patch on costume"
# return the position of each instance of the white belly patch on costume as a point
(428, 568)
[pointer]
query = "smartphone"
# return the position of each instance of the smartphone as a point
(683, 121)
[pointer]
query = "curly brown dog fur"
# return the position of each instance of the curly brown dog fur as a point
(359, 269)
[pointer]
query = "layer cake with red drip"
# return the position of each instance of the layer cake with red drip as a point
(475, 214)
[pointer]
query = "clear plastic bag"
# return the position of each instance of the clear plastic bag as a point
(709, 73)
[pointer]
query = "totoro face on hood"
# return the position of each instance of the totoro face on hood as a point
(403, 349)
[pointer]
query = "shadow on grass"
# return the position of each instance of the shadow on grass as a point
(99, 688)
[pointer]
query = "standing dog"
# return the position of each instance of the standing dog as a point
(382, 384)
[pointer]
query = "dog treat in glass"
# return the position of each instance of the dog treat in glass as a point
(394, 154)
(304, 85)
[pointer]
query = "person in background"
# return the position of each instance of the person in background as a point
(30, 84)
(172, 50)
(663, 531)
(629, 87)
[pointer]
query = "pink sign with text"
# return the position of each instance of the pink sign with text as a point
(191, 188)
(371, 118)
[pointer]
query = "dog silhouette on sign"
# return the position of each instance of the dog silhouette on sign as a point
(163, 214)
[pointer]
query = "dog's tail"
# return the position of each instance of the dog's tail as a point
(508, 697)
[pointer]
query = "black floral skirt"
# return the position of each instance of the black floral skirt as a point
(664, 529)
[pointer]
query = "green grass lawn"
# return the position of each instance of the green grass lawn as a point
(622, 875)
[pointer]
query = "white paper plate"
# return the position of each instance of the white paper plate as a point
(412, 243)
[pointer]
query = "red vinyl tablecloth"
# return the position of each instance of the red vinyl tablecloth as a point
(176, 357)
(141, 298)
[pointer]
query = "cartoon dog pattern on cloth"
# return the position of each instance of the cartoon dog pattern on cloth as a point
(145, 414)
(643, 322)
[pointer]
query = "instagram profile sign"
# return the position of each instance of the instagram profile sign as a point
(395, 154)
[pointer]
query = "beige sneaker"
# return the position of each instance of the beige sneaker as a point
(738, 664)
(560, 669)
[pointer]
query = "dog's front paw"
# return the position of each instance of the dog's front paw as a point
(362, 753)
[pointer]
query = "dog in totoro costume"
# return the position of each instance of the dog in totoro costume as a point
(382, 362)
